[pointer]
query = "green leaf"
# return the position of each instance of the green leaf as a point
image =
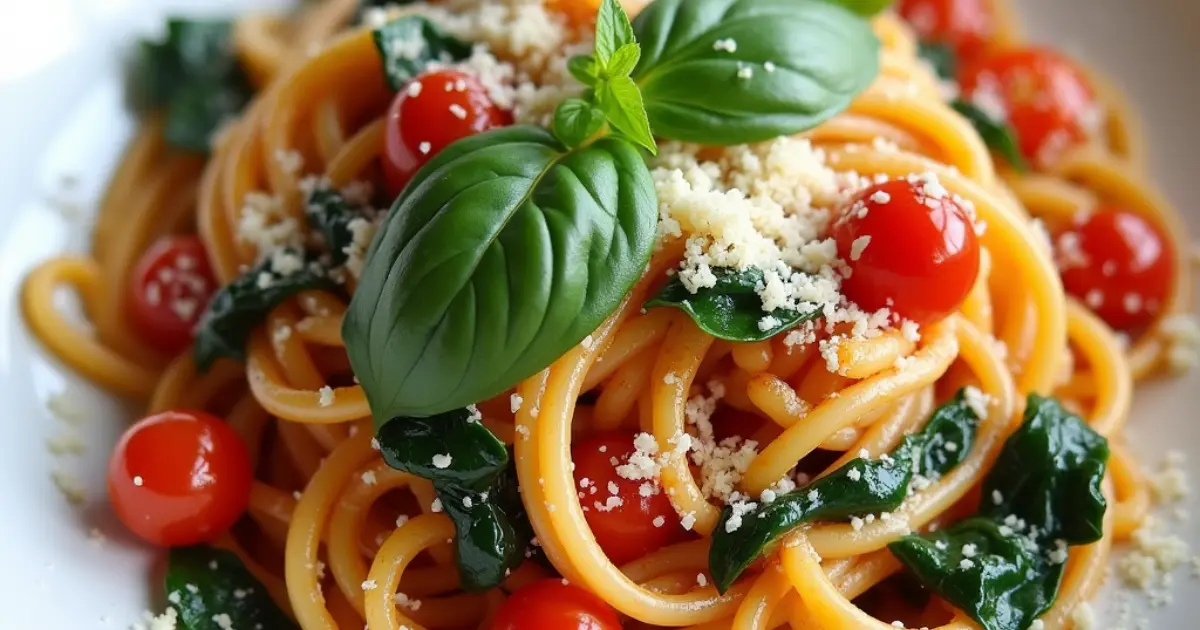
(1006, 582)
(942, 57)
(865, 8)
(240, 306)
(576, 120)
(416, 446)
(503, 252)
(365, 5)
(201, 107)
(731, 309)
(621, 101)
(583, 68)
(997, 134)
(492, 530)
(1049, 475)
(821, 56)
(623, 60)
(330, 215)
(952, 423)
(407, 45)
(204, 584)
(613, 31)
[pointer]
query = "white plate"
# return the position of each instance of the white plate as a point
(61, 114)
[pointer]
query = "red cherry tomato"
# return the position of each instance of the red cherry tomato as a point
(623, 521)
(170, 287)
(910, 247)
(964, 25)
(1047, 99)
(432, 111)
(1119, 264)
(179, 477)
(552, 605)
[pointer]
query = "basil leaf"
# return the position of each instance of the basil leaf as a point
(621, 101)
(1049, 475)
(212, 590)
(238, 307)
(860, 487)
(731, 309)
(624, 60)
(612, 31)
(330, 215)
(1004, 583)
(503, 252)
(584, 69)
(865, 8)
(576, 120)
(997, 134)
(942, 57)
(952, 423)
(416, 446)
(492, 530)
(407, 45)
(821, 56)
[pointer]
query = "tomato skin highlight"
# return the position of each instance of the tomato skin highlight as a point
(625, 531)
(428, 114)
(552, 605)
(964, 25)
(179, 478)
(169, 289)
(913, 252)
(1118, 264)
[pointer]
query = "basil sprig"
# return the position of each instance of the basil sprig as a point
(1004, 566)
(408, 44)
(211, 589)
(860, 487)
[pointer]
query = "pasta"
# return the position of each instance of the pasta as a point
(339, 538)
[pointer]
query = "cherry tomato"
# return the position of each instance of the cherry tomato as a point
(624, 521)
(552, 605)
(1119, 264)
(432, 111)
(179, 477)
(964, 25)
(170, 287)
(1047, 99)
(910, 247)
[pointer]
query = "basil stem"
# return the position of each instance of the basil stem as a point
(212, 590)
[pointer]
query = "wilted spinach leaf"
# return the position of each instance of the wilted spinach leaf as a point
(731, 309)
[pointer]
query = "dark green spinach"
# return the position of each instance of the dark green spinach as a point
(211, 589)
(451, 447)
(407, 45)
(330, 215)
(942, 57)
(731, 309)
(492, 530)
(997, 134)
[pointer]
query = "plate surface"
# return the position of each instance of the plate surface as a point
(61, 116)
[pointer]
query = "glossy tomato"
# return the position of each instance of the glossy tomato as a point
(170, 287)
(553, 605)
(963, 25)
(179, 477)
(910, 246)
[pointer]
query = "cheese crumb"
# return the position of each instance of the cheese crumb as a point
(325, 396)
(442, 460)
(514, 402)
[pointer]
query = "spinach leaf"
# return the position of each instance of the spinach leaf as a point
(997, 134)
(492, 530)
(503, 252)
(865, 8)
(942, 57)
(724, 72)
(451, 447)
(239, 306)
(1001, 580)
(330, 215)
(407, 45)
(731, 309)
(206, 584)
(1049, 475)
(952, 423)
(194, 75)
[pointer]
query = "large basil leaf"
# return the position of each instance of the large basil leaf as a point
(492, 530)
(1049, 475)
(407, 45)
(1000, 579)
(420, 445)
(240, 306)
(502, 253)
(731, 309)
(997, 134)
(212, 590)
(724, 72)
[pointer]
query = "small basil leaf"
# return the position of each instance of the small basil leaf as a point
(1004, 581)
(623, 60)
(407, 45)
(583, 68)
(1049, 474)
(576, 120)
(240, 306)
(330, 215)
(492, 531)
(865, 8)
(821, 56)
(997, 134)
(731, 309)
(503, 252)
(942, 57)
(860, 487)
(451, 447)
(613, 31)
(212, 590)
(952, 423)
(621, 101)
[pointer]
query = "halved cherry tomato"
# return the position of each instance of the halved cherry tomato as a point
(910, 246)
(628, 518)
(170, 287)
(1119, 264)
(179, 477)
(964, 25)
(552, 605)
(432, 111)
(1046, 97)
